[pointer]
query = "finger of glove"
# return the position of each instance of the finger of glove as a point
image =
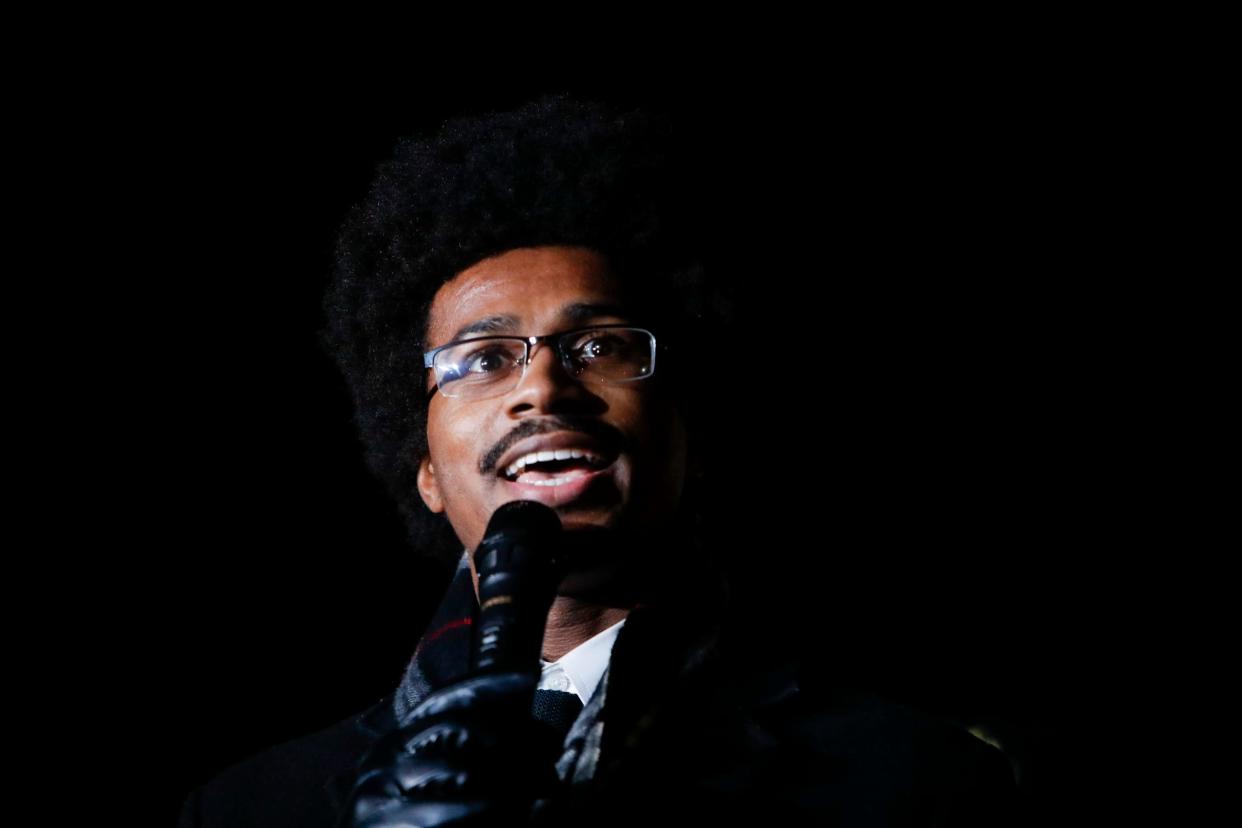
(454, 740)
(437, 815)
(375, 806)
(463, 719)
(467, 760)
(427, 793)
(500, 694)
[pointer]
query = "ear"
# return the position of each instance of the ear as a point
(428, 486)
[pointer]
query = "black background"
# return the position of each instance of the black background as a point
(924, 422)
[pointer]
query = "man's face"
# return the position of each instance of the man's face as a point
(633, 428)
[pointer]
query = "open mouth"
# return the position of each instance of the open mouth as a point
(577, 486)
(554, 468)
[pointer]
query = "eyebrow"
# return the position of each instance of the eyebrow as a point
(574, 313)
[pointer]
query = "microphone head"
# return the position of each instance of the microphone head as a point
(520, 533)
(519, 567)
(524, 515)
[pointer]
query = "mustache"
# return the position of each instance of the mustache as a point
(606, 434)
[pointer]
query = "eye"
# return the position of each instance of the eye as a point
(486, 360)
(477, 362)
(599, 345)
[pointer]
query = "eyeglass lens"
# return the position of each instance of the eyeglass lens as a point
(487, 366)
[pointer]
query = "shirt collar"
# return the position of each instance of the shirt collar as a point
(583, 666)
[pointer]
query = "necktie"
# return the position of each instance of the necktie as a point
(556, 709)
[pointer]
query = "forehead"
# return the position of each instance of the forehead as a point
(530, 286)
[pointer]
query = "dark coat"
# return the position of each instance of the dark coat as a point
(679, 728)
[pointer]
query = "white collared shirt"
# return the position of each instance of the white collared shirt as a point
(580, 669)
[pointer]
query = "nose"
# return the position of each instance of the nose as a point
(546, 387)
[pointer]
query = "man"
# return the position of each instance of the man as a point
(521, 315)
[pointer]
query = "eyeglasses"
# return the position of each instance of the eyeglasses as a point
(489, 366)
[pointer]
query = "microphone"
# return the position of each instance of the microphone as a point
(520, 564)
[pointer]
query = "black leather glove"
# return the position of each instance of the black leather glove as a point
(469, 755)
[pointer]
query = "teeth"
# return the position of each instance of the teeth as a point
(558, 481)
(522, 462)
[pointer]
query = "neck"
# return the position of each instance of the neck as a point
(572, 621)
(587, 605)
(594, 598)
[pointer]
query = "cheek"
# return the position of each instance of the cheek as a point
(449, 454)
(454, 443)
(454, 466)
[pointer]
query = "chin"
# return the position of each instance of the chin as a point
(609, 583)
(601, 565)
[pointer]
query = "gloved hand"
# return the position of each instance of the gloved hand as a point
(469, 755)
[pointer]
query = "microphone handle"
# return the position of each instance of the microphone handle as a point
(519, 572)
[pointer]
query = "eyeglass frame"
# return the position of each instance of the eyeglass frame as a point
(554, 340)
